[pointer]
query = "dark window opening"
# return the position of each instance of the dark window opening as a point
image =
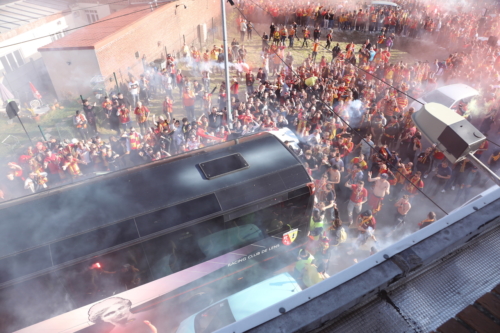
(223, 166)
(5, 64)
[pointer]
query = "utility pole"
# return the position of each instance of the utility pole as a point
(226, 66)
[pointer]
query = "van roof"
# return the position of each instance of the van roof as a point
(458, 91)
(385, 3)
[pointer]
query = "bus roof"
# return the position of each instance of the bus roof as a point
(36, 226)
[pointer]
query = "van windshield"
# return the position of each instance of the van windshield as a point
(213, 318)
(436, 96)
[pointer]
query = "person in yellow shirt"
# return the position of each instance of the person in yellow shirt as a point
(312, 273)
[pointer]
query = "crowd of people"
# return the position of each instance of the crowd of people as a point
(349, 108)
(352, 113)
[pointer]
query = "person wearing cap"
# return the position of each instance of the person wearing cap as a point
(381, 188)
(359, 196)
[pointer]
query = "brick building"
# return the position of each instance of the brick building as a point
(27, 25)
(122, 42)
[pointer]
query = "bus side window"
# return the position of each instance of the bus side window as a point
(253, 227)
(74, 286)
(180, 249)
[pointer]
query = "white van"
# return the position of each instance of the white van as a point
(384, 3)
(448, 96)
(241, 305)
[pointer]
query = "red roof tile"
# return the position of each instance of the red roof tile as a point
(89, 36)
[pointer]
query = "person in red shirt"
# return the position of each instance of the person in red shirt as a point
(360, 160)
(482, 148)
(359, 196)
(346, 146)
(168, 108)
(52, 162)
(188, 99)
(124, 115)
(246, 117)
(235, 87)
(268, 124)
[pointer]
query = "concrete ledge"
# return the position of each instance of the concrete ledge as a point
(456, 235)
(326, 307)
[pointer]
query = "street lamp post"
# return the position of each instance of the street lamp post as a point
(226, 66)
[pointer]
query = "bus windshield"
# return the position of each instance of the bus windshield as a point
(215, 317)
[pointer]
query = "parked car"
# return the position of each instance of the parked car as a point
(241, 305)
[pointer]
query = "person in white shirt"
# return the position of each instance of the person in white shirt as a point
(133, 88)
(243, 30)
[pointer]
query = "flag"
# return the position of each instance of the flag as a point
(35, 92)
(290, 236)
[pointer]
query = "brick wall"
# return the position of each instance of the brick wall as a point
(166, 27)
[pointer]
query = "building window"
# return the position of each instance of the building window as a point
(56, 36)
(92, 15)
(11, 61)
(19, 58)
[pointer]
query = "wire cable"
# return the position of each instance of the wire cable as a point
(86, 25)
(346, 122)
